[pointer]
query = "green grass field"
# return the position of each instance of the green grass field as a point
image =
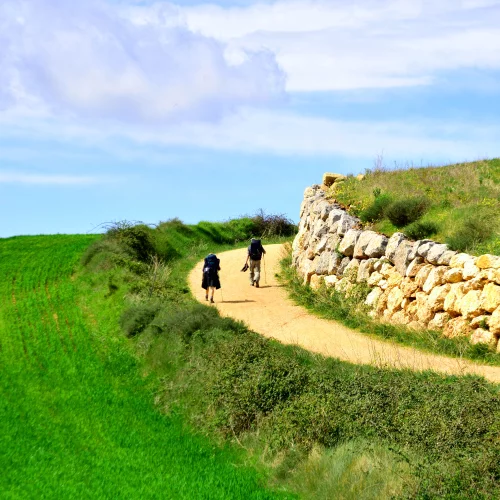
(77, 419)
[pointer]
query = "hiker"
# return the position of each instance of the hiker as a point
(211, 281)
(255, 252)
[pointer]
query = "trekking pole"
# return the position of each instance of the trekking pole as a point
(265, 271)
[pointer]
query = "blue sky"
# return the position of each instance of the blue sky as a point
(114, 110)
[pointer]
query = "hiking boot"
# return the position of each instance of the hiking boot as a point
(256, 284)
(206, 297)
(212, 301)
(251, 284)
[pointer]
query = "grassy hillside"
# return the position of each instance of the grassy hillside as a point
(77, 418)
(323, 428)
(457, 204)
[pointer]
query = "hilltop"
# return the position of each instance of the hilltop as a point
(455, 204)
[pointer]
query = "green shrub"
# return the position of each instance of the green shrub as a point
(138, 238)
(376, 210)
(474, 229)
(137, 318)
(269, 225)
(419, 230)
(405, 211)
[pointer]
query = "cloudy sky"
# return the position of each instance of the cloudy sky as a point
(137, 110)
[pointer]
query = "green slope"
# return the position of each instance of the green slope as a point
(76, 418)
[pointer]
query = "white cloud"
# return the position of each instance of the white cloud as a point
(339, 45)
(84, 59)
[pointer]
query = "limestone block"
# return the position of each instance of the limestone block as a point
(490, 297)
(411, 309)
(436, 252)
(343, 286)
(395, 279)
(334, 263)
(316, 281)
(414, 267)
(365, 269)
(445, 259)
(481, 336)
(494, 323)
(383, 284)
(470, 270)
(435, 278)
(321, 245)
(453, 275)
(382, 302)
(308, 270)
(349, 242)
(373, 297)
(479, 281)
(362, 243)
(387, 269)
(409, 287)
(320, 229)
(334, 216)
(325, 211)
(423, 274)
(401, 260)
(377, 246)
(374, 279)
(488, 262)
(310, 253)
(424, 312)
(330, 281)
(425, 248)
(343, 264)
(299, 240)
(394, 300)
(345, 223)
(311, 191)
(351, 270)
(470, 304)
(387, 316)
(439, 321)
(400, 318)
(319, 206)
(480, 321)
(416, 245)
(322, 263)
(453, 298)
(405, 303)
(456, 327)
(329, 178)
(333, 242)
(458, 260)
(393, 244)
(437, 297)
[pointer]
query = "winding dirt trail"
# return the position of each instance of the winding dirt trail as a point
(268, 310)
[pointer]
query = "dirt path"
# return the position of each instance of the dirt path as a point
(268, 311)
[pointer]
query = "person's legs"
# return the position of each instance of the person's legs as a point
(256, 272)
(252, 271)
(212, 288)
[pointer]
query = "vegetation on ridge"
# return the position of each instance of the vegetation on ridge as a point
(457, 204)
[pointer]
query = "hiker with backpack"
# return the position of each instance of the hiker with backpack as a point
(255, 253)
(211, 281)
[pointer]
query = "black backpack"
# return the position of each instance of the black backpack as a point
(211, 264)
(255, 250)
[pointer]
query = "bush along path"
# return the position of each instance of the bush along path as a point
(268, 310)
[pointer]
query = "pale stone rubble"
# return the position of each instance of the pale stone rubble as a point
(421, 284)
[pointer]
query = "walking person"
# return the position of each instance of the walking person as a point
(211, 281)
(255, 253)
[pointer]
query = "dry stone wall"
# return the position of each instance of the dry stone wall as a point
(422, 284)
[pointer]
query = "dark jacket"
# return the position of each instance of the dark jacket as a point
(210, 273)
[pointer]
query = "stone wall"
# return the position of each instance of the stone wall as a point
(421, 284)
